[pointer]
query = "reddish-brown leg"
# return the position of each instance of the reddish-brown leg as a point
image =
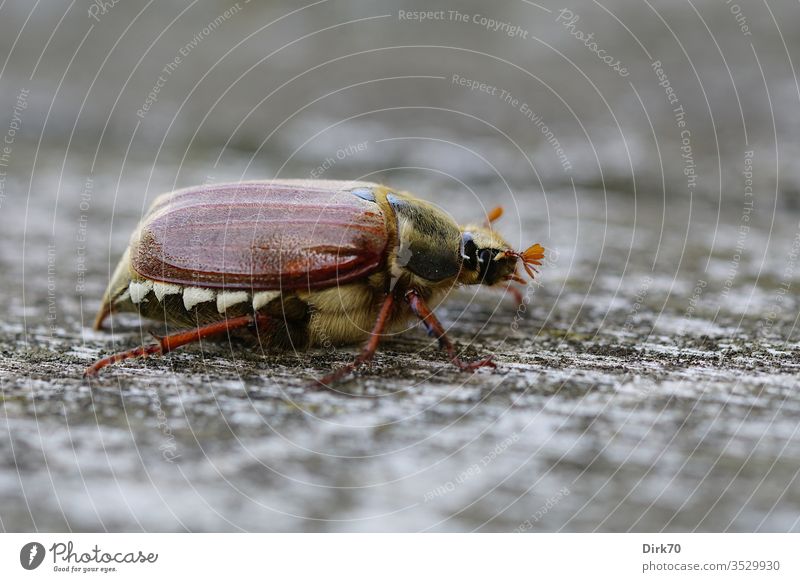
(519, 298)
(435, 329)
(168, 343)
(369, 348)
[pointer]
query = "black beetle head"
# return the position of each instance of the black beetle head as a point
(488, 259)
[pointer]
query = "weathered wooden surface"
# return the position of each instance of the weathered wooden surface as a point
(652, 383)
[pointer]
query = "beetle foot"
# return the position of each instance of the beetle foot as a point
(328, 380)
(140, 352)
(475, 365)
(336, 375)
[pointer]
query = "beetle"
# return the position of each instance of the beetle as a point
(302, 263)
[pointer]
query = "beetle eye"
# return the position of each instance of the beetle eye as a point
(485, 263)
(470, 252)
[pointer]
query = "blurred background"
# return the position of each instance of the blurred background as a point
(651, 146)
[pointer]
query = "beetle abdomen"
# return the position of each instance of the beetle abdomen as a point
(141, 291)
(325, 317)
(181, 307)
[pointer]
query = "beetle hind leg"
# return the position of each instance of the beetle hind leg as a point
(436, 329)
(173, 341)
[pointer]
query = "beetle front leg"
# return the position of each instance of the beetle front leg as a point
(436, 329)
(369, 349)
(173, 341)
(516, 294)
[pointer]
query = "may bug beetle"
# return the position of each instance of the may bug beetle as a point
(304, 263)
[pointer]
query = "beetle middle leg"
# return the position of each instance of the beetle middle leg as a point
(369, 349)
(173, 341)
(436, 329)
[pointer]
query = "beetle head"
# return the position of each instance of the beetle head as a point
(490, 260)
